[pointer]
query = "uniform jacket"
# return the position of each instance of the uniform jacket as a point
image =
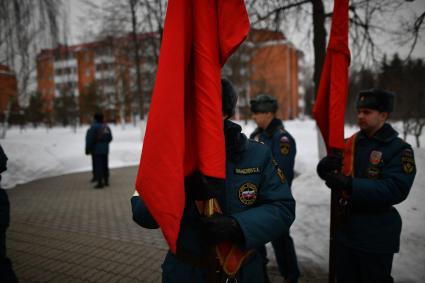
(254, 195)
(282, 145)
(4, 200)
(384, 170)
(4, 210)
(98, 138)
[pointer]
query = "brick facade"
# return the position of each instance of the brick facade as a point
(8, 89)
(275, 70)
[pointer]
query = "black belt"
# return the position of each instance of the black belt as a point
(371, 210)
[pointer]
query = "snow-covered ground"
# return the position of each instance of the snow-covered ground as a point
(39, 153)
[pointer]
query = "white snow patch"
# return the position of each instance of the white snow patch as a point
(38, 153)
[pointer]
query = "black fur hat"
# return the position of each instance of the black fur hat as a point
(229, 97)
(377, 99)
(263, 103)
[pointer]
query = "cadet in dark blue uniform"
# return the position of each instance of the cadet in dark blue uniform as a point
(271, 132)
(380, 175)
(257, 207)
(98, 138)
(6, 272)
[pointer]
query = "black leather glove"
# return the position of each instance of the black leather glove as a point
(339, 182)
(200, 187)
(218, 228)
(329, 164)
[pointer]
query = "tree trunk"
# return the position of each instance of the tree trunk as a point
(418, 132)
(136, 43)
(319, 43)
(319, 40)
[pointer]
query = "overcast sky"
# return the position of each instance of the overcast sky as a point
(78, 28)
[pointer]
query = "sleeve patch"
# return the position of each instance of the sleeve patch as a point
(281, 175)
(408, 161)
(285, 145)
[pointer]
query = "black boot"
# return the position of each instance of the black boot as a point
(99, 185)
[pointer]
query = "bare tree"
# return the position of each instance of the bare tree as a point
(142, 20)
(26, 26)
(369, 22)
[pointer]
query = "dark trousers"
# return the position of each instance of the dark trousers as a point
(101, 169)
(286, 257)
(353, 266)
(2, 243)
(7, 275)
(92, 167)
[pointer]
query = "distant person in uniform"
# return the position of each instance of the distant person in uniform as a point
(376, 172)
(93, 178)
(98, 138)
(272, 133)
(256, 202)
(7, 275)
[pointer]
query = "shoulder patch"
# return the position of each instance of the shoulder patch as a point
(281, 175)
(408, 161)
(248, 193)
(285, 145)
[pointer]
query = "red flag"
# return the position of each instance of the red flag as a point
(329, 109)
(185, 126)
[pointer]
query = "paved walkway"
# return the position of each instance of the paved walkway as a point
(63, 230)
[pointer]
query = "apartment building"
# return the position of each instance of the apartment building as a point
(102, 69)
(8, 89)
(266, 63)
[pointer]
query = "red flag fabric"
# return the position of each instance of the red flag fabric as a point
(185, 128)
(329, 109)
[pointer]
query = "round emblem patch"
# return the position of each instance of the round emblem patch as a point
(248, 193)
(284, 147)
(375, 157)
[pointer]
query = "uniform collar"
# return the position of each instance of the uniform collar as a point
(385, 134)
(274, 125)
(235, 140)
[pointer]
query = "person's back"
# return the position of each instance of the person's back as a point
(98, 138)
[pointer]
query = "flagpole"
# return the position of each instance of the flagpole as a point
(335, 222)
(211, 274)
(332, 232)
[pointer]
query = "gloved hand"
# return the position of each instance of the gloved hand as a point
(218, 228)
(200, 187)
(339, 181)
(329, 164)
